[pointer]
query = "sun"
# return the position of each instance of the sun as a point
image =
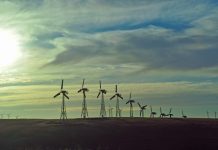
(9, 47)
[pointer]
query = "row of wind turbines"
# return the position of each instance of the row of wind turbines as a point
(102, 92)
(8, 116)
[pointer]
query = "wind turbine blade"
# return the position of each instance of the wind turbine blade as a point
(112, 97)
(98, 94)
(144, 107)
(160, 110)
(130, 96)
(62, 84)
(79, 90)
(116, 88)
(57, 94)
(170, 110)
(84, 94)
(139, 105)
(120, 96)
(127, 102)
(66, 96)
(100, 84)
(83, 83)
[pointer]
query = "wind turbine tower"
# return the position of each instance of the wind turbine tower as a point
(102, 92)
(118, 96)
(110, 110)
(8, 116)
(130, 101)
(120, 112)
(208, 116)
(183, 115)
(84, 112)
(170, 114)
(152, 113)
(63, 106)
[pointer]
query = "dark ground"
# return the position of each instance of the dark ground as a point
(125, 133)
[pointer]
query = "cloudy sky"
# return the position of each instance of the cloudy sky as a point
(164, 52)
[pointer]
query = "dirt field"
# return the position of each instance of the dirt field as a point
(124, 133)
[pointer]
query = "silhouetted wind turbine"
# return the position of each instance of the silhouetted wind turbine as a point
(110, 110)
(117, 95)
(142, 109)
(130, 101)
(8, 116)
(102, 92)
(170, 113)
(162, 115)
(84, 112)
(152, 113)
(120, 112)
(64, 95)
(208, 116)
(183, 115)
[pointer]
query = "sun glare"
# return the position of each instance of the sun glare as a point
(9, 47)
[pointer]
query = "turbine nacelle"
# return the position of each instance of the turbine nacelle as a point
(83, 89)
(62, 92)
(103, 91)
(118, 95)
(130, 101)
(142, 107)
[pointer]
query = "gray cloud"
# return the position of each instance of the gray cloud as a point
(163, 50)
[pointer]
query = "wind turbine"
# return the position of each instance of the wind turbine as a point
(170, 113)
(102, 92)
(84, 112)
(130, 101)
(162, 115)
(110, 110)
(117, 95)
(152, 113)
(142, 109)
(184, 116)
(208, 116)
(64, 95)
(120, 112)
(8, 116)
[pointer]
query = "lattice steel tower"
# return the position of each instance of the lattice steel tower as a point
(102, 92)
(84, 112)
